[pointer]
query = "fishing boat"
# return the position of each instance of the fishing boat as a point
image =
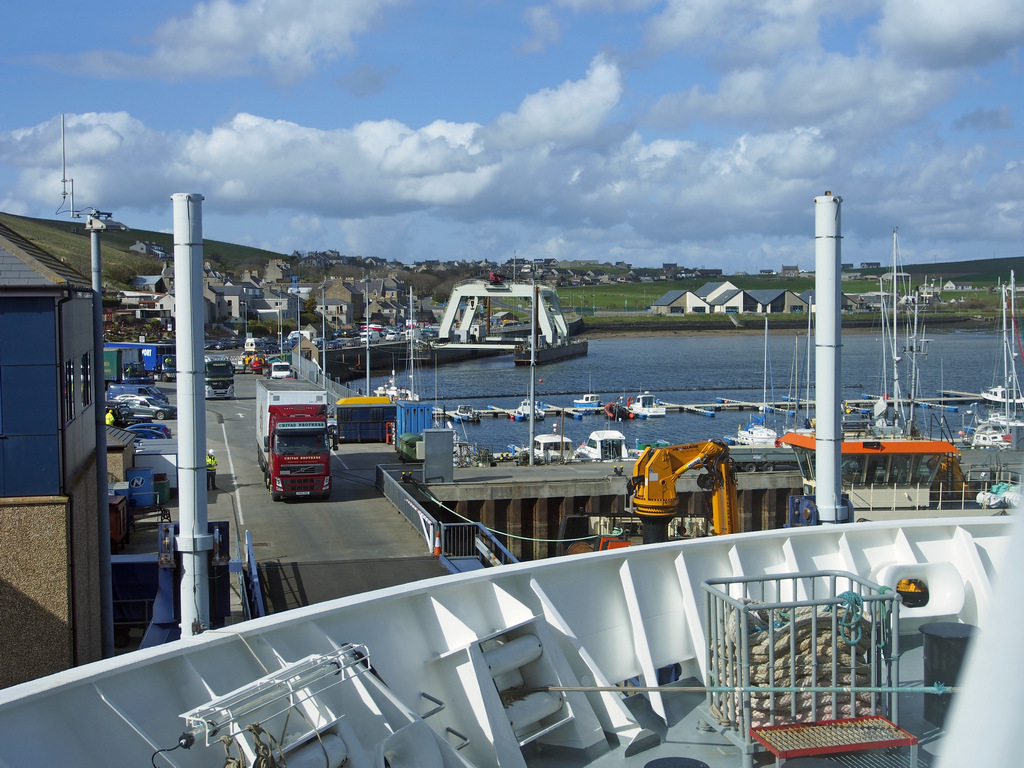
(628, 657)
(465, 413)
(604, 445)
(522, 411)
(645, 406)
(553, 449)
(395, 392)
(588, 402)
(892, 477)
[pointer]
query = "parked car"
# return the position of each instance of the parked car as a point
(150, 431)
(115, 391)
(123, 415)
(146, 406)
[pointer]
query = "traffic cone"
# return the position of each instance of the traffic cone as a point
(437, 542)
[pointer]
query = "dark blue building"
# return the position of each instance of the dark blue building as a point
(49, 519)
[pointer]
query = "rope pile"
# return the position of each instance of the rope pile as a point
(802, 642)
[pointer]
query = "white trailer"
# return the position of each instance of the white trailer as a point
(283, 392)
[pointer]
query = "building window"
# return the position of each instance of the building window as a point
(69, 391)
(85, 376)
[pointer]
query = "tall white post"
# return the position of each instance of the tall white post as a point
(828, 344)
(194, 542)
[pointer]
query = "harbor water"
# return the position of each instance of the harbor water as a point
(703, 369)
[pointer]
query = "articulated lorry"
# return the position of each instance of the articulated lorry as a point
(291, 439)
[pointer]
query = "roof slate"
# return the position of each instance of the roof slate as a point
(25, 265)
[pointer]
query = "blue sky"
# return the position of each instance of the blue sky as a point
(688, 131)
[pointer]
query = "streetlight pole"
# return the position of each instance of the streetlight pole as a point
(323, 329)
(366, 325)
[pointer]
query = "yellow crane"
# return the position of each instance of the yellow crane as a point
(653, 485)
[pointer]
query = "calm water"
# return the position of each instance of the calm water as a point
(697, 370)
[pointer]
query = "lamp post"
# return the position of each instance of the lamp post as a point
(245, 315)
(97, 222)
(323, 329)
(366, 325)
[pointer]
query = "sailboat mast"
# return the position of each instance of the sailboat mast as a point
(897, 411)
(409, 326)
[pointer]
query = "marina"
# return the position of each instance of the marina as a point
(595, 616)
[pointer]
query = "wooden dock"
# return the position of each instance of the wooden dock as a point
(949, 402)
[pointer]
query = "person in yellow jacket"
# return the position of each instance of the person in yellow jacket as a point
(110, 418)
(211, 471)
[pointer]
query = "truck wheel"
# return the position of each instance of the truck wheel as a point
(266, 481)
(160, 415)
(275, 497)
(769, 467)
(750, 467)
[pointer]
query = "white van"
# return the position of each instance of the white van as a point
(281, 371)
(374, 336)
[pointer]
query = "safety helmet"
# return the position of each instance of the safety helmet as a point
(210, 452)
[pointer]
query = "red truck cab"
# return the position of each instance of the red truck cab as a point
(298, 452)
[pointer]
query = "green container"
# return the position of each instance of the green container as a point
(163, 488)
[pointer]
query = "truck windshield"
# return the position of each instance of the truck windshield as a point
(301, 443)
(220, 369)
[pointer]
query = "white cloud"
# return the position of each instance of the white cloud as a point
(544, 28)
(946, 35)
(286, 39)
(735, 29)
(573, 111)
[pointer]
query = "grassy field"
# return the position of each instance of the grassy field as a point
(70, 242)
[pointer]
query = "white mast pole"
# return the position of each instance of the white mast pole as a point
(828, 369)
(194, 542)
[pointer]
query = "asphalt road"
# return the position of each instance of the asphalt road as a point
(308, 551)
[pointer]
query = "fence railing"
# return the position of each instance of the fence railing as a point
(446, 540)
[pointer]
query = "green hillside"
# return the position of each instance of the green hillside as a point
(69, 240)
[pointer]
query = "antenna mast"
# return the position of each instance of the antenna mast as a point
(64, 180)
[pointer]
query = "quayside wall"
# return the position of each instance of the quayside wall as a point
(536, 516)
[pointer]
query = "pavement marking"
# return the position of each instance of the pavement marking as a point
(231, 466)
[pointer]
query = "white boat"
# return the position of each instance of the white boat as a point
(599, 659)
(394, 392)
(588, 402)
(996, 434)
(1001, 496)
(604, 445)
(1000, 395)
(553, 449)
(1007, 394)
(465, 413)
(645, 406)
(755, 433)
(522, 412)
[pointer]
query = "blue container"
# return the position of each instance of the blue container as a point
(413, 417)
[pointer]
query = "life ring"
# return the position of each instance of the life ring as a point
(778, 442)
(629, 401)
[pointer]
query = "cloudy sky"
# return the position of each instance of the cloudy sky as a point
(688, 131)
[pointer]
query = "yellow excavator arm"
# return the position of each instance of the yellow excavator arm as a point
(654, 485)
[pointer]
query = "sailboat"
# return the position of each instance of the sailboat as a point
(1004, 425)
(757, 432)
(1007, 395)
(392, 389)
